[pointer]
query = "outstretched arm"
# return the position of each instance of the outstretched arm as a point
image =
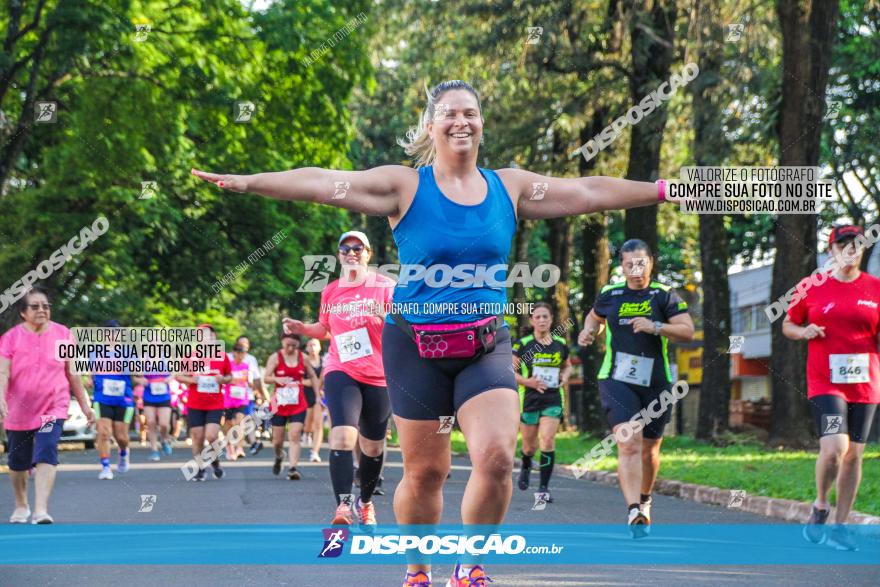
(374, 191)
(541, 196)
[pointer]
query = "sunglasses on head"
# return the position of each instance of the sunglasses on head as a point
(36, 307)
(344, 249)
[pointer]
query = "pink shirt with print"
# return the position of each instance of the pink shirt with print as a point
(38, 384)
(350, 314)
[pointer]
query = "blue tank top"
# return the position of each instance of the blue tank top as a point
(436, 231)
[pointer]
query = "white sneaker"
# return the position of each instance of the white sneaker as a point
(645, 508)
(105, 473)
(315, 457)
(122, 466)
(20, 516)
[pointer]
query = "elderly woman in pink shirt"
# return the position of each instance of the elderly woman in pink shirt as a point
(34, 397)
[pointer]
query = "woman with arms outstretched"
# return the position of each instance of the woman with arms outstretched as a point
(449, 212)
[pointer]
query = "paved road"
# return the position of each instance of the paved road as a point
(249, 494)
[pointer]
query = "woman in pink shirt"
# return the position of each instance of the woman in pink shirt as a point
(352, 316)
(34, 397)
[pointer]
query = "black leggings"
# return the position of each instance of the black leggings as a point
(352, 403)
(834, 415)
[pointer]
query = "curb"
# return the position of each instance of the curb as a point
(772, 507)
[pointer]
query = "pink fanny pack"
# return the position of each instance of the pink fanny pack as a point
(452, 341)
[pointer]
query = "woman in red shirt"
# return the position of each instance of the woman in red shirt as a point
(205, 405)
(286, 370)
(839, 316)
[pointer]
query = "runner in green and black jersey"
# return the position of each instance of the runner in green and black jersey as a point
(640, 318)
(540, 362)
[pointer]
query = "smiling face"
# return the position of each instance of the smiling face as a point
(353, 252)
(457, 125)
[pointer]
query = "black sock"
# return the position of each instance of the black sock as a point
(526, 461)
(370, 468)
(547, 460)
(645, 497)
(633, 505)
(341, 472)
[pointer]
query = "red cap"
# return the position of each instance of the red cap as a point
(839, 233)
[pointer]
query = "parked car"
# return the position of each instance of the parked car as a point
(76, 427)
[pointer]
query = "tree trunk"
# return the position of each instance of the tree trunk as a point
(652, 34)
(808, 29)
(596, 258)
(710, 149)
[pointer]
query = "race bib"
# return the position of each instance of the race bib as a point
(549, 375)
(237, 392)
(158, 388)
(353, 345)
(288, 395)
(114, 387)
(850, 368)
(633, 369)
(208, 384)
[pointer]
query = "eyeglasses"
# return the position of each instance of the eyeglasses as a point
(36, 307)
(357, 249)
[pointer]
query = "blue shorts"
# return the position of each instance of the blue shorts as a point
(249, 409)
(426, 389)
(29, 447)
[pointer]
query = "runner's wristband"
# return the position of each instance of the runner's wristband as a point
(661, 190)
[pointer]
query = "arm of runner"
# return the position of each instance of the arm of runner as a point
(269, 372)
(373, 191)
(4, 382)
(680, 328)
(184, 378)
(138, 379)
(565, 373)
(795, 332)
(532, 382)
(541, 196)
(82, 398)
(312, 329)
(593, 324)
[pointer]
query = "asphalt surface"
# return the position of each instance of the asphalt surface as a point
(250, 494)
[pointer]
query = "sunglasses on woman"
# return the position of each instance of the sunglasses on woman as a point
(36, 307)
(357, 249)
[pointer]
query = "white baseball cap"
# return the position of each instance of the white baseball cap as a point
(358, 235)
